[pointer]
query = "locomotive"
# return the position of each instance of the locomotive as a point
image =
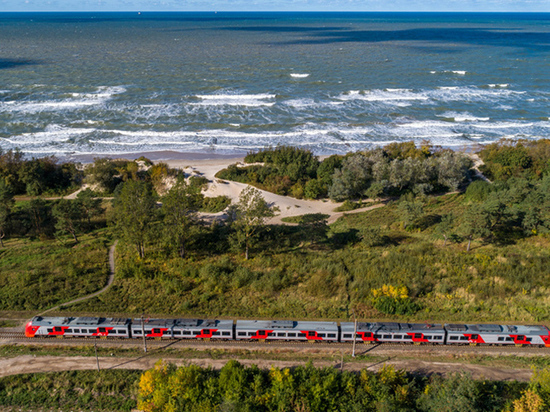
(289, 330)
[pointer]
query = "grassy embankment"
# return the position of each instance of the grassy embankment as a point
(290, 276)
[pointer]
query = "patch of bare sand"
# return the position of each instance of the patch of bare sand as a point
(32, 364)
(287, 206)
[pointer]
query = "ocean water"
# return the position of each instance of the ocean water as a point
(225, 83)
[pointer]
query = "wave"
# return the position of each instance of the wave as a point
(299, 75)
(76, 101)
(235, 99)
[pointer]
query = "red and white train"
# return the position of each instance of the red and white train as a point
(289, 330)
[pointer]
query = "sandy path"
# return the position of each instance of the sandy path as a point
(32, 364)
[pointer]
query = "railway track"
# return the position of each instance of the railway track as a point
(12, 338)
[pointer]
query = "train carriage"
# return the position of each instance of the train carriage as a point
(491, 334)
(393, 332)
(272, 330)
(183, 328)
(78, 327)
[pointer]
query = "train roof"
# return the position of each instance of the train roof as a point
(184, 323)
(79, 321)
(391, 327)
(286, 324)
(494, 328)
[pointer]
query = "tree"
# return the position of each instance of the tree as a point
(476, 224)
(179, 207)
(6, 204)
(410, 211)
(248, 217)
(68, 215)
(445, 226)
(134, 209)
(104, 172)
(91, 205)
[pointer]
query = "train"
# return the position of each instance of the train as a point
(289, 330)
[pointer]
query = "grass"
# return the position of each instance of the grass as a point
(292, 276)
(38, 274)
(107, 390)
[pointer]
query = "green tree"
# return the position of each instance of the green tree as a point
(91, 205)
(6, 205)
(105, 173)
(410, 211)
(248, 217)
(134, 209)
(476, 225)
(68, 215)
(179, 207)
(456, 393)
(445, 226)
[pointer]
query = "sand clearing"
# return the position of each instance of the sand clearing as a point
(288, 206)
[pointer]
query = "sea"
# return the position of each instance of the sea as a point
(223, 84)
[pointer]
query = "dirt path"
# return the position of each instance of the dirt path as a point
(32, 364)
(99, 292)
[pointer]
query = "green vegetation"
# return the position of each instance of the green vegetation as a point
(37, 274)
(516, 158)
(238, 388)
(38, 176)
(393, 170)
(108, 390)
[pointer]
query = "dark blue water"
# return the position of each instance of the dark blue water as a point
(223, 83)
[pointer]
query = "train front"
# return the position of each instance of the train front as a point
(30, 329)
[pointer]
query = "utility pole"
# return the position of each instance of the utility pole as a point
(143, 334)
(96, 358)
(354, 334)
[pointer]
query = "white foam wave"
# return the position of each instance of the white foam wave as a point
(52, 134)
(463, 117)
(235, 99)
(78, 101)
(384, 96)
(299, 75)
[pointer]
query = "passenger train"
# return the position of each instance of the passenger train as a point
(289, 330)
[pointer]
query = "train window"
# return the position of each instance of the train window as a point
(463, 338)
(251, 333)
(397, 336)
(437, 337)
(241, 333)
(58, 329)
(226, 334)
(407, 337)
(261, 332)
(156, 330)
(271, 334)
(76, 331)
(501, 338)
(427, 337)
(322, 335)
(177, 332)
(347, 335)
(474, 337)
(49, 330)
(101, 330)
(331, 335)
(509, 339)
(281, 334)
(301, 335)
(529, 339)
(291, 335)
(69, 331)
(387, 336)
(186, 332)
(166, 332)
(137, 332)
(377, 336)
(216, 334)
(310, 333)
(418, 336)
(453, 337)
(148, 331)
(520, 337)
